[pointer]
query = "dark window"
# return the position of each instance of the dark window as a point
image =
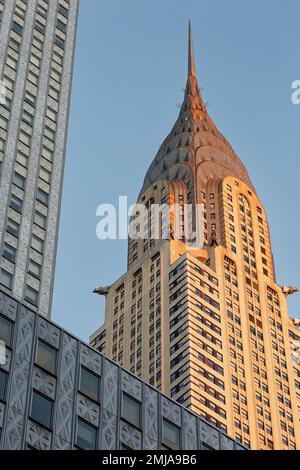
(37, 243)
(40, 219)
(19, 180)
(86, 435)
(39, 27)
(170, 435)
(124, 447)
(31, 295)
(60, 25)
(42, 196)
(206, 447)
(29, 98)
(9, 252)
(41, 410)
(16, 203)
(131, 410)
(12, 227)
(42, 11)
(34, 269)
(6, 278)
(89, 384)
(46, 357)
(3, 380)
(59, 42)
(6, 330)
(17, 28)
(28, 118)
(61, 9)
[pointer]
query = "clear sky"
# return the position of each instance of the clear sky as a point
(130, 68)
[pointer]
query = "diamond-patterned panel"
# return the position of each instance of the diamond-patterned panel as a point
(131, 385)
(88, 410)
(19, 385)
(189, 429)
(151, 412)
(130, 436)
(149, 443)
(60, 444)
(90, 359)
(8, 306)
(226, 442)
(110, 387)
(44, 382)
(108, 430)
(13, 439)
(171, 410)
(38, 437)
(25, 333)
(48, 332)
(2, 410)
(209, 435)
(66, 388)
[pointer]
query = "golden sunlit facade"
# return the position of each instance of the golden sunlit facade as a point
(208, 325)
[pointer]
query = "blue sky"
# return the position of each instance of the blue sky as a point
(130, 68)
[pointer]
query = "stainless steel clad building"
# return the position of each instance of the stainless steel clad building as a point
(58, 393)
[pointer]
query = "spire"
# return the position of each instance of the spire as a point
(194, 140)
(193, 103)
(192, 66)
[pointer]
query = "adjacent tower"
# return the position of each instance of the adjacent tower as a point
(208, 325)
(36, 61)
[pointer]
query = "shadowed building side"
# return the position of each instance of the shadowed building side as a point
(36, 63)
